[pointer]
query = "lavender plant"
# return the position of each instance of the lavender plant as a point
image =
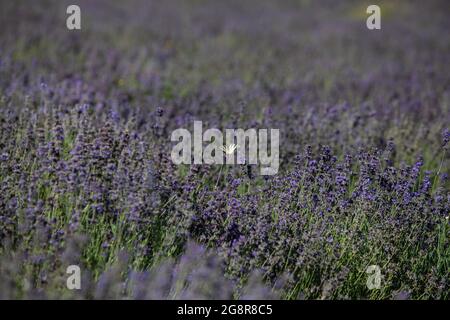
(87, 179)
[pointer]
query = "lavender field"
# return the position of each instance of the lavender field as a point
(87, 179)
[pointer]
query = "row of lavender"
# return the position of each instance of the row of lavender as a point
(87, 179)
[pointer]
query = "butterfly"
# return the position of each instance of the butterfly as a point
(229, 149)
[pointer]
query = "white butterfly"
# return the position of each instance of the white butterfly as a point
(229, 149)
